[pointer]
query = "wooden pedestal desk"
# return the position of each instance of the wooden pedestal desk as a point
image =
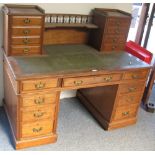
(109, 85)
(67, 51)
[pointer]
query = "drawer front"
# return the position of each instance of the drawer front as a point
(117, 30)
(26, 31)
(136, 75)
(129, 99)
(38, 100)
(25, 40)
(30, 85)
(25, 50)
(131, 87)
(118, 22)
(125, 112)
(36, 114)
(27, 20)
(113, 47)
(113, 39)
(36, 129)
(82, 81)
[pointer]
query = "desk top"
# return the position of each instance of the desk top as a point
(72, 60)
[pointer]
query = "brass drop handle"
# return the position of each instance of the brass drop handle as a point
(26, 41)
(27, 21)
(37, 130)
(134, 76)
(130, 99)
(26, 50)
(114, 47)
(39, 114)
(131, 89)
(107, 79)
(39, 101)
(114, 40)
(125, 113)
(117, 31)
(26, 31)
(77, 83)
(118, 23)
(40, 85)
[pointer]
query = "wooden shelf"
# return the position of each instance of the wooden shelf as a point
(65, 25)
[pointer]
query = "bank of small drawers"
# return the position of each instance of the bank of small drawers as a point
(115, 34)
(38, 105)
(26, 35)
(37, 114)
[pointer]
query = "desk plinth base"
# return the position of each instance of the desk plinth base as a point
(105, 124)
(35, 142)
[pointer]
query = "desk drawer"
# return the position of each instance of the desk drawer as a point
(117, 30)
(125, 112)
(26, 31)
(112, 39)
(129, 99)
(38, 100)
(136, 75)
(41, 84)
(26, 20)
(25, 40)
(119, 22)
(113, 46)
(82, 81)
(25, 50)
(29, 114)
(36, 128)
(131, 87)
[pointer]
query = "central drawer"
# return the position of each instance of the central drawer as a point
(37, 128)
(41, 84)
(82, 81)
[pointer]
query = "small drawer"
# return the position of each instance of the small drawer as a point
(25, 40)
(117, 30)
(123, 22)
(136, 75)
(112, 39)
(129, 99)
(26, 20)
(41, 84)
(38, 99)
(25, 50)
(125, 112)
(82, 81)
(37, 128)
(113, 47)
(26, 31)
(131, 87)
(29, 114)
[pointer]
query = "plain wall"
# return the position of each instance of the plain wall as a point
(79, 8)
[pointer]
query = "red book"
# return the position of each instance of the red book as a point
(138, 51)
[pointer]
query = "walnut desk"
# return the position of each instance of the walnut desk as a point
(109, 85)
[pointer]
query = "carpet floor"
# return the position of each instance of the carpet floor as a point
(78, 130)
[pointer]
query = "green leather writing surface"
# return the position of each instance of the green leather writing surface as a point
(63, 59)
